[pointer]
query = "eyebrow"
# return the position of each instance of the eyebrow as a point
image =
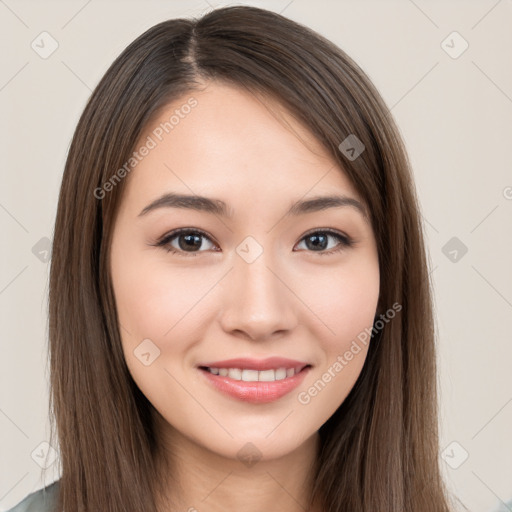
(219, 207)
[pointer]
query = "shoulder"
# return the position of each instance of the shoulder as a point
(43, 500)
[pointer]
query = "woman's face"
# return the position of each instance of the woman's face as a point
(268, 275)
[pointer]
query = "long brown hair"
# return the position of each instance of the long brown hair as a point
(379, 450)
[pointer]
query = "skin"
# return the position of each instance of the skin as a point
(292, 301)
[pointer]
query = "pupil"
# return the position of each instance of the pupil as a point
(190, 240)
(316, 242)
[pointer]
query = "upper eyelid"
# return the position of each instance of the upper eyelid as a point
(175, 232)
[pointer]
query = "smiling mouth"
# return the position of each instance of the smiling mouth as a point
(255, 386)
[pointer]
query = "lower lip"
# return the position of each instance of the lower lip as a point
(256, 392)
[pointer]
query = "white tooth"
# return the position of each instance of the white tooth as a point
(280, 373)
(235, 373)
(254, 375)
(250, 375)
(267, 375)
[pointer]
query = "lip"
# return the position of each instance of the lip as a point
(256, 392)
(257, 364)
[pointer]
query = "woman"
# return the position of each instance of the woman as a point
(240, 310)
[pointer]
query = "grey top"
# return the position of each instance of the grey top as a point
(43, 500)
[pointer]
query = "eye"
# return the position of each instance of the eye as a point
(319, 240)
(188, 241)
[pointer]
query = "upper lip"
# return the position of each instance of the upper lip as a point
(256, 364)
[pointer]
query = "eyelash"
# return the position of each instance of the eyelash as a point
(345, 242)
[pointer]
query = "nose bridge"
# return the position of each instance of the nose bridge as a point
(258, 302)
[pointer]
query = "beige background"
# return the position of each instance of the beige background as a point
(455, 115)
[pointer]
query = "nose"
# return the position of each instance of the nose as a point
(259, 301)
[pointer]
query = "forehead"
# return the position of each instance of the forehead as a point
(225, 141)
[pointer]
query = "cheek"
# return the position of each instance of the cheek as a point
(153, 298)
(155, 303)
(343, 300)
